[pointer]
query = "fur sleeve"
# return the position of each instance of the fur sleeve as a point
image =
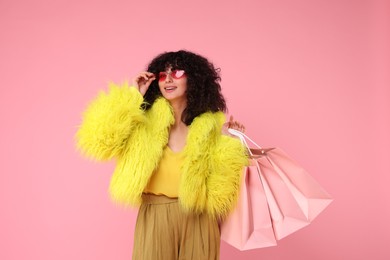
(108, 121)
(224, 182)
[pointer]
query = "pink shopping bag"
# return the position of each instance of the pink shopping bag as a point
(293, 197)
(249, 226)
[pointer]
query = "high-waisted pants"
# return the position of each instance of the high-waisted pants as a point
(164, 232)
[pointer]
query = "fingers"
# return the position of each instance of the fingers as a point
(143, 78)
(238, 126)
(235, 125)
(231, 121)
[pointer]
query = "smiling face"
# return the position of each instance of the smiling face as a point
(173, 84)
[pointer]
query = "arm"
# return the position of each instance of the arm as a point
(225, 181)
(110, 118)
(108, 121)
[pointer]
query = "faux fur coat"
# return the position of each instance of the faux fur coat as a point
(115, 126)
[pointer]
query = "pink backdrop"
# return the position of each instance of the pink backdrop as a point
(309, 76)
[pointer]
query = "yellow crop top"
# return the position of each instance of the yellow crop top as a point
(165, 180)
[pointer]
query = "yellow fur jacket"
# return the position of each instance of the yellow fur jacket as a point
(114, 126)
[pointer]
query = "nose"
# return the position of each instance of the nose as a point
(168, 78)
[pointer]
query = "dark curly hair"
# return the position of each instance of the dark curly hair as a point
(203, 88)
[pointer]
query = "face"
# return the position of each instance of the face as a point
(173, 84)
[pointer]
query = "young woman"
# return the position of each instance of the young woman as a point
(174, 160)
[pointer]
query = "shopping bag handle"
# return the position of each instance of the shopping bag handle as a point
(253, 152)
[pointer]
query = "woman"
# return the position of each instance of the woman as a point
(166, 133)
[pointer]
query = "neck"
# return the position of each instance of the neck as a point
(178, 108)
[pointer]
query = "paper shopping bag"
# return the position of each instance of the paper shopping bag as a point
(249, 226)
(293, 197)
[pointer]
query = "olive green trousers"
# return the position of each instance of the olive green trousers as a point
(164, 232)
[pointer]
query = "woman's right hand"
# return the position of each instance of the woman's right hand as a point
(142, 81)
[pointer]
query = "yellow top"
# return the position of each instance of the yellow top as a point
(165, 180)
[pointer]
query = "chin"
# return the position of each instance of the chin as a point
(172, 98)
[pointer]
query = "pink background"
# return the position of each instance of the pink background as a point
(309, 76)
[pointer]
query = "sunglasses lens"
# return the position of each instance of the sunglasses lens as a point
(176, 74)
(162, 76)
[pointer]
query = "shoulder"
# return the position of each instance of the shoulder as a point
(209, 121)
(160, 112)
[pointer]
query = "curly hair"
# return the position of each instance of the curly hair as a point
(203, 88)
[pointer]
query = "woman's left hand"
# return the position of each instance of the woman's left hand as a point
(232, 124)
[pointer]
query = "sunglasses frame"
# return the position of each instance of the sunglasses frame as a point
(163, 75)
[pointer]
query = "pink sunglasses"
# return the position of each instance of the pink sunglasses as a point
(176, 74)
